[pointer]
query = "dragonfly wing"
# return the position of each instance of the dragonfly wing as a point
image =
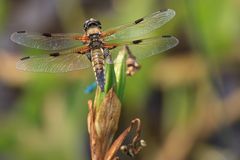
(54, 62)
(140, 26)
(46, 41)
(144, 48)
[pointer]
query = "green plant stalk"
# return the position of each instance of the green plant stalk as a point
(104, 114)
(115, 76)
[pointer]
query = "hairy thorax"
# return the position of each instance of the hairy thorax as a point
(94, 34)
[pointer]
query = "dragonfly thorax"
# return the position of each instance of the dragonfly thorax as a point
(95, 44)
(95, 41)
(94, 36)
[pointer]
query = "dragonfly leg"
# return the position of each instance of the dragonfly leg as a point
(89, 56)
(106, 52)
(107, 55)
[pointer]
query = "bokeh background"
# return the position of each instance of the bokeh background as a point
(188, 98)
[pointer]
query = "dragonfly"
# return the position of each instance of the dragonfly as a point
(94, 47)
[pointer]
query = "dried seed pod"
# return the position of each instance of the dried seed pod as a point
(103, 123)
(107, 117)
(131, 149)
(132, 64)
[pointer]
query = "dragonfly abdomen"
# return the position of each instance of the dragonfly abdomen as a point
(98, 67)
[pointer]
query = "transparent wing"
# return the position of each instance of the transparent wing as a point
(139, 27)
(144, 48)
(54, 62)
(46, 41)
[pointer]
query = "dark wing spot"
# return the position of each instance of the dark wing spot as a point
(137, 41)
(138, 20)
(21, 31)
(166, 36)
(47, 34)
(24, 58)
(55, 54)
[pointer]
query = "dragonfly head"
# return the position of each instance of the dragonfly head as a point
(91, 23)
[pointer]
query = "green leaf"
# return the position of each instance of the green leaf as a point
(110, 78)
(120, 71)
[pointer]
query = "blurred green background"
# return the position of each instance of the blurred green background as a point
(187, 98)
